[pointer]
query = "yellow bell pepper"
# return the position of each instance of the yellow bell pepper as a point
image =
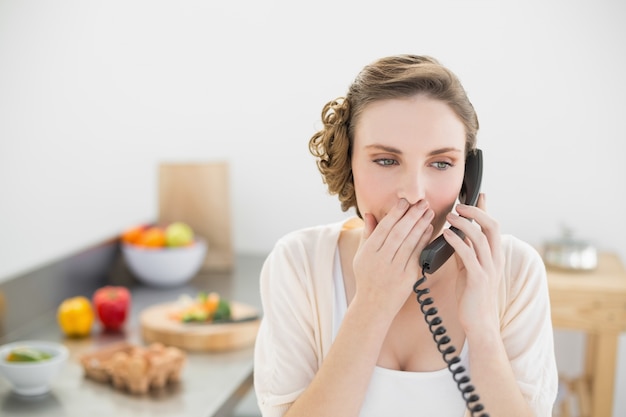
(75, 316)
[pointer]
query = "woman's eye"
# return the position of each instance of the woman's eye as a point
(441, 165)
(386, 161)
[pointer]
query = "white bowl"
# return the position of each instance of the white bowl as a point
(165, 267)
(33, 378)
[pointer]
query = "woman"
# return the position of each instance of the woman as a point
(342, 333)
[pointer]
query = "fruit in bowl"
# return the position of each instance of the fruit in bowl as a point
(163, 256)
(178, 234)
(31, 366)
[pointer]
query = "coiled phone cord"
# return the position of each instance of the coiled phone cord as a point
(439, 335)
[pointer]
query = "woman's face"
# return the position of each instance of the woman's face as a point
(411, 148)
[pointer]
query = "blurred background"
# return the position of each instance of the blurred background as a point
(95, 95)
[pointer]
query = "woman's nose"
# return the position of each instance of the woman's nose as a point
(412, 188)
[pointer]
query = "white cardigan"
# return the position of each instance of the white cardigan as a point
(297, 295)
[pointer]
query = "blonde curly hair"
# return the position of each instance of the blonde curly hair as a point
(393, 77)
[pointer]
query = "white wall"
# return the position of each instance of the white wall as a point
(94, 94)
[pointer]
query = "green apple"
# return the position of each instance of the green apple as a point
(178, 234)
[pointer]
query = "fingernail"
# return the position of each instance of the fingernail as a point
(422, 205)
(403, 204)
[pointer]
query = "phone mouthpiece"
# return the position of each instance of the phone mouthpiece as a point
(437, 253)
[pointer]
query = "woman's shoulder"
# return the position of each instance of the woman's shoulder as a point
(524, 267)
(313, 236)
(303, 255)
(519, 252)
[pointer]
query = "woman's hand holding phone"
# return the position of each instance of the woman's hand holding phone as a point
(480, 263)
(386, 263)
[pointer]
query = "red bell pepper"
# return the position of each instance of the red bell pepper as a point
(112, 305)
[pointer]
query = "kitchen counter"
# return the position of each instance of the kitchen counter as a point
(211, 384)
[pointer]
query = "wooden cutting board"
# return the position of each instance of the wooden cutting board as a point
(199, 195)
(158, 326)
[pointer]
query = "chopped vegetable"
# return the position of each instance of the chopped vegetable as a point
(223, 311)
(204, 308)
(25, 354)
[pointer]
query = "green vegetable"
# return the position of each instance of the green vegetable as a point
(195, 315)
(27, 355)
(223, 311)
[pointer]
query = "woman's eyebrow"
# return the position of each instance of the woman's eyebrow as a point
(445, 150)
(385, 148)
(391, 149)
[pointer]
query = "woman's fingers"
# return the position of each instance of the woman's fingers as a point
(484, 235)
(482, 202)
(489, 227)
(463, 250)
(406, 244)
(424, 239)
(406, 232)
(378, 236)
(479, 249)
(400, 233)
(369, 225)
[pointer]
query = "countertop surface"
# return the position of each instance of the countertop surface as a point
(211, 383)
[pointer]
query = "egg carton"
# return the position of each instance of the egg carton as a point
(135, 369)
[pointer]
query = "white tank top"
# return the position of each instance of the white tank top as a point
(399, 393)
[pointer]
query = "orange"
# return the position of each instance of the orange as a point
(211, 302)
(133, 234)
(152, 237)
